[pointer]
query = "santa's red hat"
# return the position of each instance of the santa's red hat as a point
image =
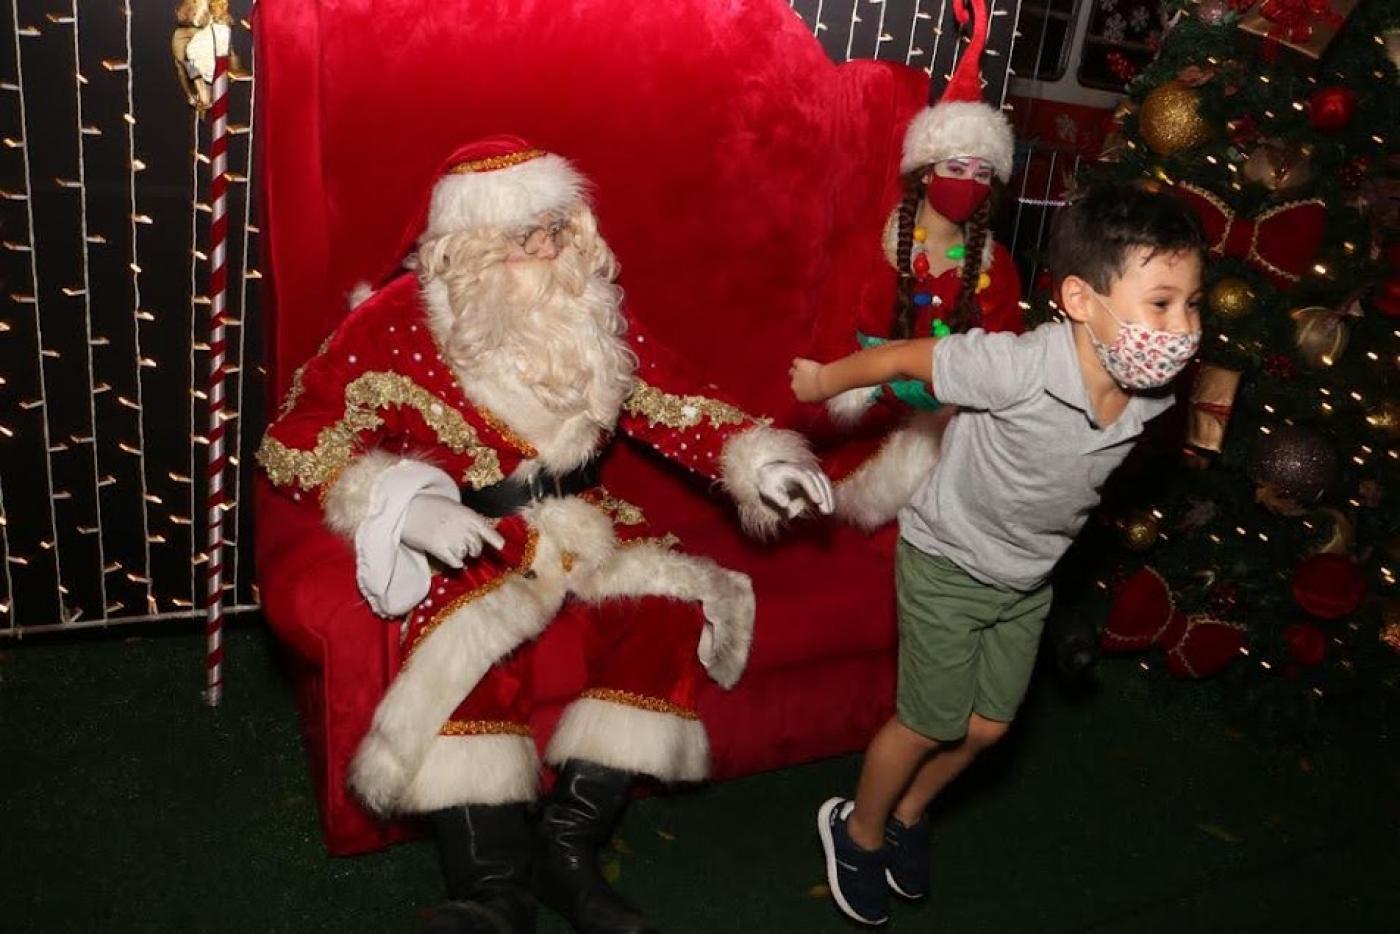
(498, 183)
(501, 183)
(961, 124)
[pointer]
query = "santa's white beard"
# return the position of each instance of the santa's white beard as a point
(555, 323)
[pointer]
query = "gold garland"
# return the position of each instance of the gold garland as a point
(664, 542)
(484, 728)
(501, 428)
(640, 701)
(495, 162)
(336, 444)
(673, 411)
(296, 389)
(619, 510)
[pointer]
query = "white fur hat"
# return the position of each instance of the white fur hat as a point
(500, 183)
(961, 124)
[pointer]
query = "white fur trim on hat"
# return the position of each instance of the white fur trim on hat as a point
(959, 128)
(503, 199)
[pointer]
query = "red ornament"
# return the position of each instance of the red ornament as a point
(1307, 644)
(1354, 172)
(1140, 615)
(1244, 130)
(1044, 281)
(1386, 297)
(1206, 647)
(1329, 586)
(1331, 109)
(1280, 366)
(921, 265)
(1122, 69)
(1281, 242)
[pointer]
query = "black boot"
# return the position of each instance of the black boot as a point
(575, 821)
(485, 855)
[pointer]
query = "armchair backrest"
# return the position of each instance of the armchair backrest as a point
(741, 177)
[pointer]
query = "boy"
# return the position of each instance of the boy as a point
(1044, 418)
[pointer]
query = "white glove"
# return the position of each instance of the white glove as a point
(790, 488)
(447, 530)
(724, 642)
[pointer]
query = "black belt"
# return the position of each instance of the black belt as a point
(510, 496)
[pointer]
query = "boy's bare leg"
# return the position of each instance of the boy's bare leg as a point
(940, 769)
(891, 760)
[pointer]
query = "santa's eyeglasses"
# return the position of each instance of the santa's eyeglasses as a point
(532, 241)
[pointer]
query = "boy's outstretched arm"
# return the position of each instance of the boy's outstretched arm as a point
(911, 359)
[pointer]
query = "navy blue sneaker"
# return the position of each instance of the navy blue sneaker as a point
(855, 875)
(908, 868)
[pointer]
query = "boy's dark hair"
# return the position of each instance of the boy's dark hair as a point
(1104, 222)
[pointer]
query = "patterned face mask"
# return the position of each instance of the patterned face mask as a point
(1140, 357)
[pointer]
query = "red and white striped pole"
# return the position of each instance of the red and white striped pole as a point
(218, 292)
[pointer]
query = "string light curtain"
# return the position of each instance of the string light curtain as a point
(104, 221)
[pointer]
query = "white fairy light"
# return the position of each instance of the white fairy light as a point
(87, 305)
(135, 165)
(196, 160)
(237, 462)
(9, 605)
(851, 32)
(34, 284)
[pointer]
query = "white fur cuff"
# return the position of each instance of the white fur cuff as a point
(493, 769)
(849, 407)
(663, 745)
(744, 456)
(879, 488)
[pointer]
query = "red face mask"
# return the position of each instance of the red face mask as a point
(956, 198)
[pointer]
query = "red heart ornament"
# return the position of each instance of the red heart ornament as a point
(1140, 613)
(1206, 647)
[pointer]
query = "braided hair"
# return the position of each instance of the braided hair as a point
(904, 248)
(967, 313)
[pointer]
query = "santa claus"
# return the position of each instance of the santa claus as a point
(449, 429)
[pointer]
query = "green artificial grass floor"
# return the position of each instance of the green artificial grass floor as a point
(126, 805)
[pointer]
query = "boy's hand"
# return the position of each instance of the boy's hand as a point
(806, 380)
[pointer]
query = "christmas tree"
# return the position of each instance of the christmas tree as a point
(1264, 551)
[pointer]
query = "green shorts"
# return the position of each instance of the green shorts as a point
(964, 647)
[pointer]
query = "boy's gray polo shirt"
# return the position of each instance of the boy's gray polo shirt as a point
(1023, 461)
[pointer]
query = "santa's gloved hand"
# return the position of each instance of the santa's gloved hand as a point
(790, 488)
(447, 530)
(724, 642)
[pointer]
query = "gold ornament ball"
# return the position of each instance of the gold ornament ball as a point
(1385, 418)
(1319, 334)
(1171, 121)
(1139, 531)
(1231, 298)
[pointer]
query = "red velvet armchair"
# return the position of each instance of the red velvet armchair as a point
(743, 181)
